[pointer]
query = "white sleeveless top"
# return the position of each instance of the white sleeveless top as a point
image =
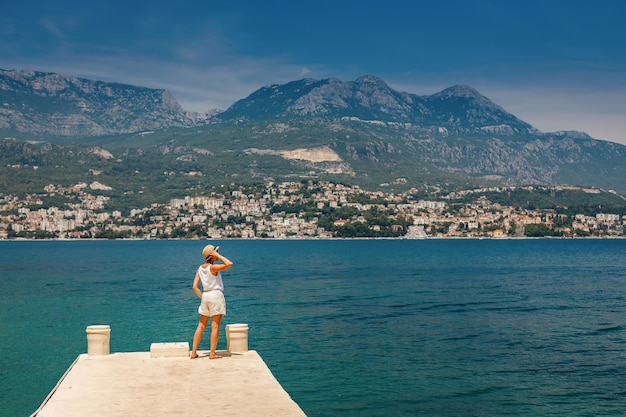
(210, 281)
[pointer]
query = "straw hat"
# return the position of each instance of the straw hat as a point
(206, 252)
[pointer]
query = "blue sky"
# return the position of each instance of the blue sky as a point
(556, 64)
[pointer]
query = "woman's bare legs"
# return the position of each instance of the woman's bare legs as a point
(215, 334)
(197, 337)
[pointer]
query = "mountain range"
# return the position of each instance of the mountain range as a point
(362, 132)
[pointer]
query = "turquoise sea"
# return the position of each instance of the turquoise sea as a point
(349, 327)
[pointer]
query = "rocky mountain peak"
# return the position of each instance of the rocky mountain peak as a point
(465, 92)
(52, 105)
(372, 80)
(48, 104)
(458, 109)
(459, 90)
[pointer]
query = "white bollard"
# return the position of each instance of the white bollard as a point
(237, 338)
(98, 340)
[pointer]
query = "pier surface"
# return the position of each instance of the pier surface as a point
(136, 384)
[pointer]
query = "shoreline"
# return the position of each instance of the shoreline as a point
(21, 239)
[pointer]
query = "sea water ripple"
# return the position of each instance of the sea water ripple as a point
(350, 328)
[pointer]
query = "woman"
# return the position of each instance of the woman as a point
(213, 304)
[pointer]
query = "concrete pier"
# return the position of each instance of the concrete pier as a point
(143, 384)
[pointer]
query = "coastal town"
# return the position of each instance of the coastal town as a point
(293, 210)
